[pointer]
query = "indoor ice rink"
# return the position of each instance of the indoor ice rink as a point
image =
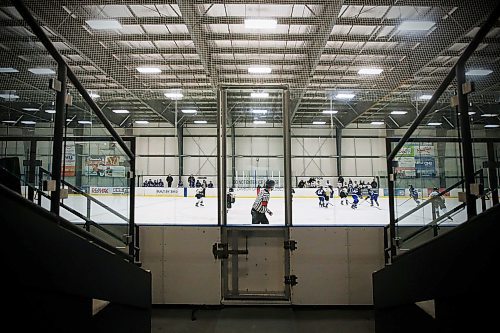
(311, 154)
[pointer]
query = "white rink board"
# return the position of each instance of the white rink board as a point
(170, 209)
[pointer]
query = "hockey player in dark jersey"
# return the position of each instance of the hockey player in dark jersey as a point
(343, 196)
(321, 196)
(438, 204)
(373, 193)
(356, 194)
(259, 208)
(414, 194)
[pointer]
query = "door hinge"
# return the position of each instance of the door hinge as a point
(291, 280)
(291, 245)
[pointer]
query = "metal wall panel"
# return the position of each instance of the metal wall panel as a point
(334, 265)
(320, 264)
(181, 262)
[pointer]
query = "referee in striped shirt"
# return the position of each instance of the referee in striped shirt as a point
(259, 208)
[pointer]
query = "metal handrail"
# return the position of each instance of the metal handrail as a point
(80, 191)
(69, 209)
(68, 225)
(425, 203)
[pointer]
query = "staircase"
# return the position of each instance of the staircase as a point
(56, 272)
(457, 271)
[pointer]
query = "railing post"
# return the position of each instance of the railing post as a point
(483, 198)
(131, 218)
(390, 187)
(57, 147)
(89, 213)
(221, 154)
(287, 156)
(468, 156)
(492, 172)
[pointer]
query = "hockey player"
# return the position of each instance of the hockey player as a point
(259, 208)
(414, 194)
(320, 192)
(438, 204)
(200, 194)
(328, 195)
(356, 194)
(230, 199)
(343, 196)
(373, 193)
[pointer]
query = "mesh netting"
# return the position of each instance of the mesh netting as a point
(315, 47)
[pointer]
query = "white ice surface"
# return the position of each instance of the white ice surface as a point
(305, 211)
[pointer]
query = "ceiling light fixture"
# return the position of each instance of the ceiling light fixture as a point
(30, 109)
(478, 72)
(200, 121)
(121, 111)
(259, 111)
(416, 25)
(319, 122)
(330, 111)
(491, 126)
(399, 112)
(259, 122)
(488, 115)
(434, 124)
(259, 70)
(142, 122)
(259, 95)
(41, 71)
(9, 121)
(8, 70)
(104, 24)
(425, 97)
(85, 122)
(261, 23)
(148, 70)
(370, 71)
(8, 96)
(377, 123)
(174, 95)
(50, 111)
(345, 96)
(28, 122)
(94, 95)
(191, 111)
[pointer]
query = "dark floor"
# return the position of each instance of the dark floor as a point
(263, 320)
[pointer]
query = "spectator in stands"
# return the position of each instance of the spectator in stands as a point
(210, 184)
(180, 184)
(301, 184)
(191, 181)
(204, 183)
(169, 180)
(160, 183)
(374, 183)
(198, 184)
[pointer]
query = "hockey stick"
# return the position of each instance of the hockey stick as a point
(405, 201)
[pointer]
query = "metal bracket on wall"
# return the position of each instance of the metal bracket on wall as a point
(221, 251)
(290, 245)
(291, 280)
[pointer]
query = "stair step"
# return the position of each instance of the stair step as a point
(428, 306)
(98, 305)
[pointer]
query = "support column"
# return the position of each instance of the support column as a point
(32, 170)
(390, 187)
(131, 218)
(233, 155)
(57, 146)
(492, 172)
(440, 158)
(221, 154)
(180, 150)
(468, 156)
(338, 141)
(287, 145)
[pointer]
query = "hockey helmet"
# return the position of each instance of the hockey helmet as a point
(270, 183)
(435, 189)
(231, 189)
